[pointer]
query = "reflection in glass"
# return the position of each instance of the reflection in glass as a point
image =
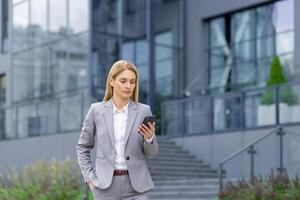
(57, 18)
(29, 123)
(38, 27)
(283, 15)
(79, 15)
(41, 73)
(20, 26)
(23, 77)
(105, 16)
(68, 64)
(217, 33)
(70, 113)
(48, 115)
(255, 35)
(227, 113)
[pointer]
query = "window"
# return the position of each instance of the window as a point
(242, 44)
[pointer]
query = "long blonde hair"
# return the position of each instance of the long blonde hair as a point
(115, 70)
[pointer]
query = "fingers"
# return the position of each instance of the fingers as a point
(146, 131)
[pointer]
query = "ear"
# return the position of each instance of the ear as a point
(111, 82)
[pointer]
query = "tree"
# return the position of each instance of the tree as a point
(276, 77)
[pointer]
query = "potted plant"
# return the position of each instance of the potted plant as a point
(287, 98)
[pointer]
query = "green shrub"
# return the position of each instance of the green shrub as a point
(56, 180)
(275, 187)
(276, 76)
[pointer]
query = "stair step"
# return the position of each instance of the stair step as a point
(184, 194)
(178, 175)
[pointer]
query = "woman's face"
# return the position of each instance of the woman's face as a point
(124, 84)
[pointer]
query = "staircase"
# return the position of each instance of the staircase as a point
(179, 176)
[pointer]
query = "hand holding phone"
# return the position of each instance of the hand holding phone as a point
(144, 128)
(150, 119)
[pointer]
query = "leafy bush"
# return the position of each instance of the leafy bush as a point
(275, 187)
(57, 180)
(276, 76)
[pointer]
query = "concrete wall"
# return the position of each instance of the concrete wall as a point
(19, 152)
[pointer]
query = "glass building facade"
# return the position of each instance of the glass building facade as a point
(61, 52)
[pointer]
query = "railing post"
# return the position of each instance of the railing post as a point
(281, 133)
(87, 194)
(277, 101)
(221, 177)
(252, 152)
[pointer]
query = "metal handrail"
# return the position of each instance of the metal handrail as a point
(252, 151)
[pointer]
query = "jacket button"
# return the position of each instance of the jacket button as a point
(127, 157)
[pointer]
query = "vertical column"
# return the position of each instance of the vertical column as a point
(150, 9)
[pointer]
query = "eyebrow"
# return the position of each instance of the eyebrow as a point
(127, 79)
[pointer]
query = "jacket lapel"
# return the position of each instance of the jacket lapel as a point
(132, 113)
(109, 121)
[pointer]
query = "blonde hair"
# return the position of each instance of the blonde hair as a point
(115, 70)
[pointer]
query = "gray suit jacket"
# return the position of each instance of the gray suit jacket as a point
(98, 129)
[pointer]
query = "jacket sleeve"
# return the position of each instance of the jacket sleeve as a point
(150, 149)
(85, 144)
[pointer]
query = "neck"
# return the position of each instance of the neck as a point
(119, 102)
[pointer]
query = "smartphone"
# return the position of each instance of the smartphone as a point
(150, 119)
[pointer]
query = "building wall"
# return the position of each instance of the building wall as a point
(19, 152)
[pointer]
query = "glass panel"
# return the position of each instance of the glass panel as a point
(134, 18)
(283, 15)
(57, 64)
(217, 33)
(29, 123)
(10, 123)
(197, 116)
(139, 56)
(79, 15)
(285, 42)
(287, 63)
(227, 113)
(17, 1)
(38, 27)
(41, 72)
(245, 73)
(48, 113)
(244, 51)
(105, 53)
(220, 57)
(291, 152)
(172, 115)
(77, 64)
(23, 76)
(263, 19)
(243, 26)
(105, 16)
(265, 47)
(70, 113)
(20, 26)
(169, 25)
(219, 76)
(260, 108)
(289, 107)
(263, 67)
(57, 18)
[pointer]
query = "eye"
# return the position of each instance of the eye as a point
(132, 82)
(123, 81)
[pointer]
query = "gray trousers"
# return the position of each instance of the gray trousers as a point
(120, 189)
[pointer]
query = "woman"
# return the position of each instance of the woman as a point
(122, 142)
